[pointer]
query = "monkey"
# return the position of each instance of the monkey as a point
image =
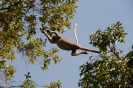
(64, 44)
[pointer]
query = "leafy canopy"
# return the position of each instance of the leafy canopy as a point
(112, 68)
(21, 22)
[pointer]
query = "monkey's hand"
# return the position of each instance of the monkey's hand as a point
(48, 31)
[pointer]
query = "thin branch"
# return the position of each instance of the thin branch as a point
(11, 5)
(114, 52)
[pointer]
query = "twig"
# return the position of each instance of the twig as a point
(114, 52)
(11, 5)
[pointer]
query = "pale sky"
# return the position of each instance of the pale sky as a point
(91, 15)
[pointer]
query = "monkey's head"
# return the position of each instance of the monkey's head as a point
(55, 39)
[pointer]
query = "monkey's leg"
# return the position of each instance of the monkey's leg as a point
(75, 52)
(90, 50)
(85, 49)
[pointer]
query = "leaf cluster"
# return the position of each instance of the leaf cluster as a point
(112, 68)
(109, 37)
(20, 24)
(6, 71)
(54, 85)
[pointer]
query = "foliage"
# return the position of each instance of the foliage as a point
(129, 57)
(54, 85)
(21, 25)
(112, 68)
(28, 83)
(6, 72)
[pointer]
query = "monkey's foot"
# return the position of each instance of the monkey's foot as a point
(85, 52)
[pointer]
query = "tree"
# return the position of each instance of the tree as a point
(112, 68)
(21, 21)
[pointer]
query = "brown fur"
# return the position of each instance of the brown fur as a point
(65, 44)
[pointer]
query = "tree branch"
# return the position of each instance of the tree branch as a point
(114, 52)
(11, 5)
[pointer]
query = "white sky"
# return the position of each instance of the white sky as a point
(91, 15)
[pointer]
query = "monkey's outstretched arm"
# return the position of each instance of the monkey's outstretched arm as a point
(50, 40)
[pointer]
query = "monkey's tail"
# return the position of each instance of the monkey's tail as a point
(90, 50)
(75, 34)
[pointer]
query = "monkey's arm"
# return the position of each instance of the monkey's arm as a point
(50, 40)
